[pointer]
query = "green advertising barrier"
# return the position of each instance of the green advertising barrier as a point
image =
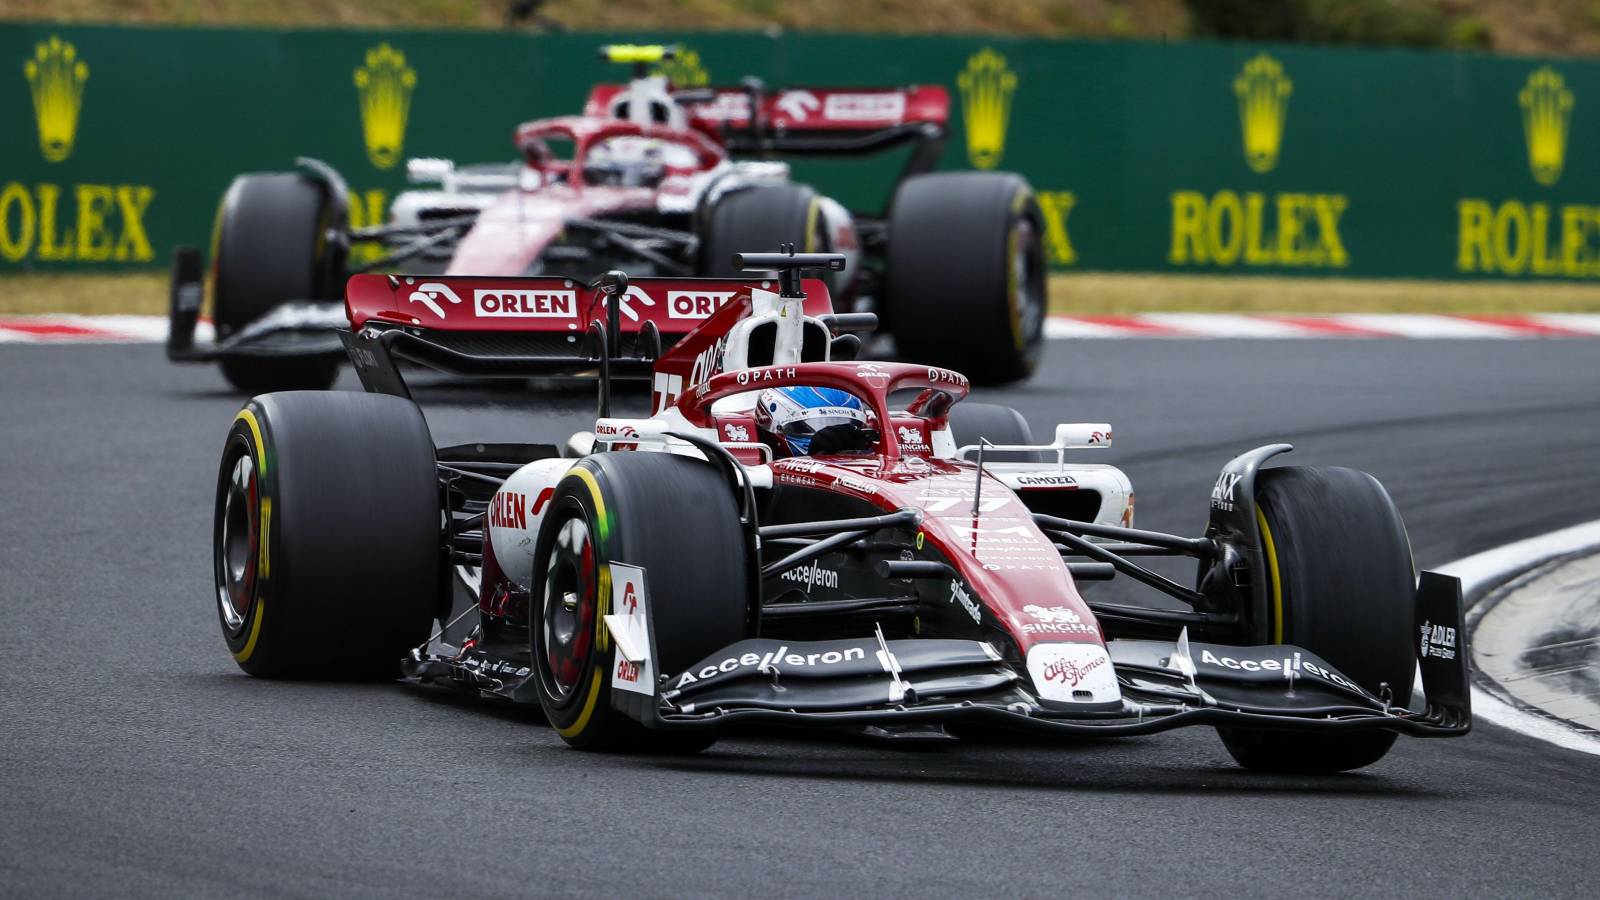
(1146, 157)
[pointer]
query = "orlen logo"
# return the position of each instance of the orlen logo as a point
(508, 509)
(696, 304)
(429, 293)
(525, 304)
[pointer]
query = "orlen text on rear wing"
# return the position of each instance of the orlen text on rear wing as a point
(497, 327)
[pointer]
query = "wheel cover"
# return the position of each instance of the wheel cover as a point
(238, 546)
(571, 589)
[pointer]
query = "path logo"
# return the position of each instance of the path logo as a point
(1546, 110)
(986, 88)
(384, 87)
(684, 70)
(56, 76)
(1263, 92)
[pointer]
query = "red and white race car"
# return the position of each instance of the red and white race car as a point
(657, 181)
(658, 579)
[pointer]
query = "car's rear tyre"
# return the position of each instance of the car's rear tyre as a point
(758, 219)
(675, 518)
(999, 424)
(271, 247)
(966, 274)
(1343, 585)
(326, 542)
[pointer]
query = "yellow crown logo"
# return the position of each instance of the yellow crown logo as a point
(1546, 110)
(384, 87)
(986, 88)
(56, 76)
(1263, 91)
(684, 70)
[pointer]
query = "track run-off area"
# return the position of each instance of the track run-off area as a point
(140, 761)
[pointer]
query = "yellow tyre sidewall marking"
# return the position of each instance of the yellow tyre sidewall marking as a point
(811, 226)
(1013, 277)
(602, 637)
(258, 450)
(1272, 572)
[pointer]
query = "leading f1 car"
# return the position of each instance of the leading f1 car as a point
(796, 536)
(658, 181)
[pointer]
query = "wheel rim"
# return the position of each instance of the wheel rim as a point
(1026, 285)
(571, 586)
(238, 546)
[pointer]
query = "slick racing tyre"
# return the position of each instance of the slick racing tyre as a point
(758, 219)
(966, 274)
(971, 422)
(676, 519)
(1341, 584)
(270, 247)
(327, 535)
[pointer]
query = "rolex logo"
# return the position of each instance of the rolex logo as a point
(384, 87)
(56, 76)
(1263, 92)
(1546, 110)
(986, 88)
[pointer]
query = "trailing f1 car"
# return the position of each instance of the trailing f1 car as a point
(903, 570)
(646, 179)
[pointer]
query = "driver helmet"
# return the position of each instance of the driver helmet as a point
(625, 161)
(791, 415)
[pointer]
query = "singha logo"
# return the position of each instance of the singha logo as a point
(684, 70)
(1546, 110)
(384, 88)
(55, 76)
(1263, 91)
(986, 88)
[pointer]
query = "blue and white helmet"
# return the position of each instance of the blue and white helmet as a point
(794, 414)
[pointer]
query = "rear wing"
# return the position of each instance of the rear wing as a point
(809, 121)
(496, 327)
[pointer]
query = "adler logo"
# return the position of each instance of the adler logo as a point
(525, 304)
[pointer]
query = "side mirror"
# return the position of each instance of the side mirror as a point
(844, 348)
(1081, 435)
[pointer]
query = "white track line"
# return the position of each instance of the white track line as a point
(1485, 571)
(1224, 325)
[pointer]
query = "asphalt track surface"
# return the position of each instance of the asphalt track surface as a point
(135, 759)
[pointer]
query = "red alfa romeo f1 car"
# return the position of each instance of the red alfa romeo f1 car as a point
(660, 182)
(658, 579)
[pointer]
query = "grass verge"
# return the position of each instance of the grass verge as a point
(1078, 294)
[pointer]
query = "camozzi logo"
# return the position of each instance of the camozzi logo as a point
(986, 87)
(1546, 112)
(56, 76)
(1263, 93)
(383, 87)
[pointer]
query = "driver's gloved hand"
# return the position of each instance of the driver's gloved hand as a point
(845, 438)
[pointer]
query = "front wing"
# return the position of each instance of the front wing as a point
(1163, 685)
